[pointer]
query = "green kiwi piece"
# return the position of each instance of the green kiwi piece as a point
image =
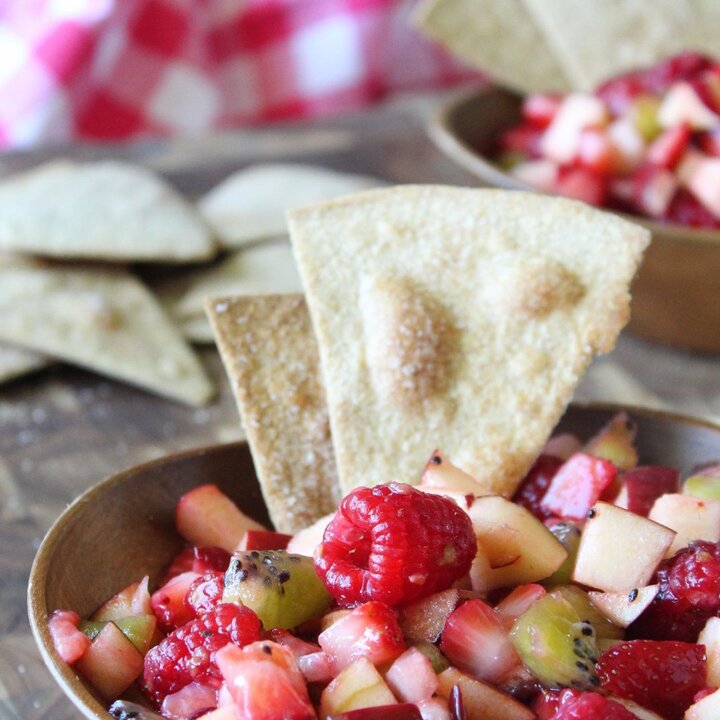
(556, 645)
(138, 629)
(433, 654)
(282, 589)
(568, 533)
(579, 599)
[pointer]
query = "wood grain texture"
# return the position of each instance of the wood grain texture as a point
(62, 430)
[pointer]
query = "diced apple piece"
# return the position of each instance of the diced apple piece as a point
(207, 517)
(624, 608)
(653, 190)
(482, 701)
(226, 712)
(264, 540)
(133, 600)
(578, 485)
(638, 711)
(329, 619)
(359, 685)
(441, 473)
(691, 518)
(576, 112)
(706, 709)
(704, 483)
(700, 174)
(514, 547)
(435, 708)
(682, 105)
(510, 608)
(424, 619)
(628, 142)
(111, 663)
(316, 667)
(615, 443)
(710, 638)
(411, 677)
(642, 486)
(540, 174)
(619, 550)
(562, 446)
(305, 541)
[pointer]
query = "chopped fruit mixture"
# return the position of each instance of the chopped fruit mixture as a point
(595, 595)
(647, 142)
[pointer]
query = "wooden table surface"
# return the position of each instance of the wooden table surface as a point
(64, 429)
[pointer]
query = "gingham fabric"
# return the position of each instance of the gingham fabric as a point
(117, 69)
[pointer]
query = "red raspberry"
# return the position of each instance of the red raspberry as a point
(577, 705)
(394, 544)
(533, 488)
(662, 676)
(188, 654)
(688, 594)
(206, 592)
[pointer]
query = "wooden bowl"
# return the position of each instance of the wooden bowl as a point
(123, 528)
(676, 295)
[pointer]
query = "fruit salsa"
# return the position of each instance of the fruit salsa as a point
(647, 142)
(594, 593)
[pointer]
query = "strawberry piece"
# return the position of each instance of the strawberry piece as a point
(645, 484)
(182, 563)
(710, 142)
(168, 603)
(188, 654)
(685, 209)
(395, 544)
(264, 540)
(192, 701)
(688, 594)
(653, 189)
(265, 682)
(476, 642)
(597, 152)
(512, 606)
(206, 592)
(210, 559)
(582, 184)
(668, 148)
(578, 485)
(578, 705)
(70, 643)
(316, 667)
(370, 630)
(411, 677)
(294, 644)
(523, 139)
(662, 676)
(533, 488)
(620, 92)
(539, 109)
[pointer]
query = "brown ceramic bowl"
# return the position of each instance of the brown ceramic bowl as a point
(123, 528)
(676, 295)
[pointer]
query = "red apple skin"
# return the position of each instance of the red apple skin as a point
(401, 711)
(264, 540)
(647, 483)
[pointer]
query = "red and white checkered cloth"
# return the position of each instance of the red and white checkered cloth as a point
(116, 69)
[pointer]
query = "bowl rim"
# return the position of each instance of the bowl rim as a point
(442, 132)
(64, 675)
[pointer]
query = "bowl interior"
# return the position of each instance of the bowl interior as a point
(123, 528)
(676, 295)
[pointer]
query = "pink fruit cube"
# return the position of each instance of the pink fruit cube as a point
(411, 677)
(70, 643)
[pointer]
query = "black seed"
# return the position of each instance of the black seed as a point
(267, 560)
(284, 576)
(253, 566)
(582, 666)
(205, 633)
(591, 513)
(633, 595)
(272, 570)
(255, 554)
(587, 630)
(436, 460)
(594, 680)
(578, 653)
(577, 642)
(267, 649)
(242, 575)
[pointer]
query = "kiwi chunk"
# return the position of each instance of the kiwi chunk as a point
(568, 533)
(580, 600)
(433, 654)
(556, 645)
(282, 589)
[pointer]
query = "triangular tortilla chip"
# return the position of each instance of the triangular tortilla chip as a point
(457, 319)
(270, 354)
(15, 362)
(251, 204)
(497, 36)
(102, 319)
(264, 269)
(107, 210)
(597, 40)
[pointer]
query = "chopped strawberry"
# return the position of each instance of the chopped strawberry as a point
(685, 209)
(662, 676)
(523, 139)
(644, 484)
(653, 189)
(539, 109)
(395, 544)
(476, 641)
(411, 677)
(316, 667)
(188, 654)
(70, 643)
(683, 66)
(535, 484)
(710, 142)
(582, 184)
(264, 540)
(370, 630)
(512, 606)
(181, 563)
(168, 603)
(620, 92)
(190, 702)
(597, 152)
(578, 705)
(578, 485)
(668, 148)
(294, 644)
(206, 592)
(210, 559)
(265, 682)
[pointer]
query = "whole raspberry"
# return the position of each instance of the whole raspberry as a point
(188, 654)
(578, 705)
(394, 544)
(688, 594)
(662, 676)
(535, 484)
(206, 592)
